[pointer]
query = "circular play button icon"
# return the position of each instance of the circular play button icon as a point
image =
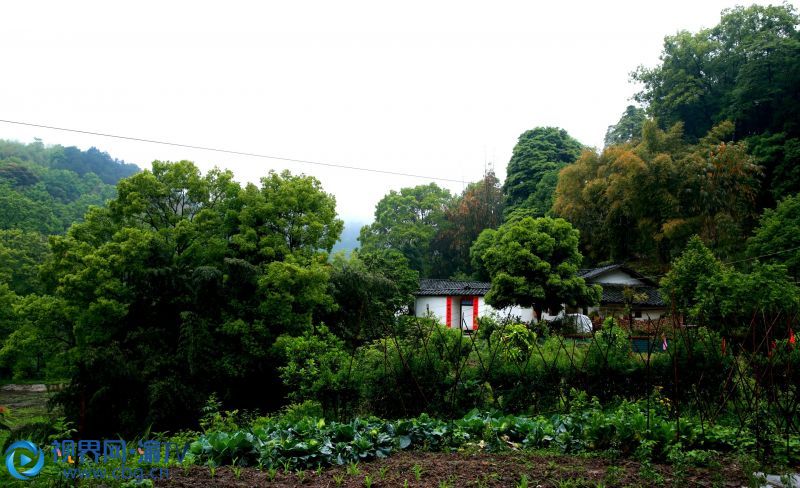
(29, 461)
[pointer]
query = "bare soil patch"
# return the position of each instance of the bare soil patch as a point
(479, 470)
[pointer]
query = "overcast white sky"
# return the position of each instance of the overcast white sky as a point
(430, 88)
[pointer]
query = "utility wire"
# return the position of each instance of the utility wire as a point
(764, 255)
(295, 160)
(230, 151)
(739, 260)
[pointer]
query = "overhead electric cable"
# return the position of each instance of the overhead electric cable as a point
(231, 151)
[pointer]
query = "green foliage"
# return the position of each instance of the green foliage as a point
(181, 286)
(730, 300)
(532, 172)
(534, 263)
(313, 370)
(628, 128)
(477, 252)
(21, 253)
(777, 237)
(516, 342)
(413, 372)
(643, 202)
(626, 428)
(214, 418)
(369, 289)
(46, 189)
(744, 69)
(408, 221)
(696, 263)
(36, 346)
(719, 296)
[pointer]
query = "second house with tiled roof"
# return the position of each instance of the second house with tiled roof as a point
(622, 284)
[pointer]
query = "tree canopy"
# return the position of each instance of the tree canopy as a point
(479, 207)
(534, 263)
(745, 69)
(628, 128)
(181, 286)
(777, 237)
(532, 172)
(643, 202)
(407, 221)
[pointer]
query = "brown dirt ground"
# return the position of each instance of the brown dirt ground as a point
(480, 470)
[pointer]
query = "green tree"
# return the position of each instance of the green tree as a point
(181, 286)
(696, 263)
(479, 207)
(315, 363)
(532, 172)
(41, 337)
(777, 237)
(732, 299)
(21, 253)
(407, 221)
(628, 128)
(369, 290)
(477, 252)
(745, 69)
(641, 203)
(534, 263)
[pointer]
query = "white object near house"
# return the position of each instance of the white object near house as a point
(460, 303)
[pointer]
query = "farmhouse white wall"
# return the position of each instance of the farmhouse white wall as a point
(437, 306)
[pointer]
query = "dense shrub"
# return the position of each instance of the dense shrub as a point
(419, 371)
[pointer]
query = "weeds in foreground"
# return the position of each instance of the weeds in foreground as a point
(417, 472)
(352, 469)
(613, 475)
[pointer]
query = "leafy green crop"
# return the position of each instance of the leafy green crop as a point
(310, 443)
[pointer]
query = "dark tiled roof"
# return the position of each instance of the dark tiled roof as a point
(448, 287)
(614, 294)
(589, 274)
(592, 272)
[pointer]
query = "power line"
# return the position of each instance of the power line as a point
(764, 255)
(231, 151)
(740, 260)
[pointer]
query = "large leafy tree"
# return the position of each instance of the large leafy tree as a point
(643, 202)
(534, 263)
(407, 221)
(181, 286)
(369, 290)
(731, 300)
(21, 252)
(532, 172)
(777, 237)
(703, 289)
(696, 263)
(745, 69)
(479, 207)
(628, 128)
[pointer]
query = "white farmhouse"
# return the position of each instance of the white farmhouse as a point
(460, 303)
